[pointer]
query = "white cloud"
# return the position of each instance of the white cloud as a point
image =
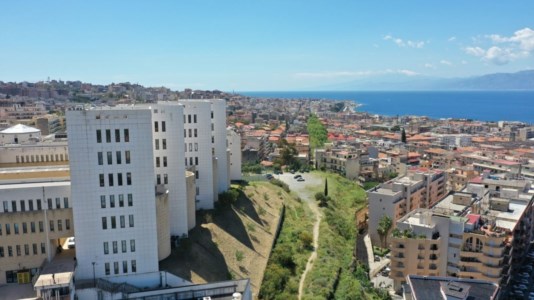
(429, 66)
(404, 43)
(505, 49)
(352, 74)
(452, 39)
(445, 62)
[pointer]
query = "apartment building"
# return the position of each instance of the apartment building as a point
(346, 162)
(35, 218)
(234, 145)
(458, 178)
(438, 287)
(419, 188)
(474, 234)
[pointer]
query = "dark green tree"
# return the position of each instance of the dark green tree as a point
(403, 136)
(326, 187)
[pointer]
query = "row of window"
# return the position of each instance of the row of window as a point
(189, 119)
(192, 133)
(191, 161)
(32, 228)
(38, 204)
(133, 265)
(115, 247)
(113, 222)
(158, 161)
(165, 179)
(108, 135)
(109, 157)
(18, 250)
(41, 158)
(156, 126)
(111, 198)
(111, 181)
(163, 144)
(190, 147)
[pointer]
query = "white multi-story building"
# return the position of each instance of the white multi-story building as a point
(234, 145)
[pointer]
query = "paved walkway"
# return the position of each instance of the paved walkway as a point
(374, 266)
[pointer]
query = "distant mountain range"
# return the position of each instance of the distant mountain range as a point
(523, 80)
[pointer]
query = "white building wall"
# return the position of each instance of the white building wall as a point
(34, 153)
(220, 144)
(234, 144)
(199, 150)
(82, 129)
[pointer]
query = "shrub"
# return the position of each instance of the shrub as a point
(239, 255)
(306, 239)
(228, 197)
(281, 184)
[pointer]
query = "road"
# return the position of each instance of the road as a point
(304, 190)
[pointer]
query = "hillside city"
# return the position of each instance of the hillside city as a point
(260, 198)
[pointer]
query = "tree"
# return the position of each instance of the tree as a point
(403, 136)
(384, 225)
(326, 187)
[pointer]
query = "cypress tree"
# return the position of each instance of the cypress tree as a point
(403, 136)
(326, 187)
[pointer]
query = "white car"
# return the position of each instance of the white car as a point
(71, 243)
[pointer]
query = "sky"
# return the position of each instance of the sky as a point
(261, 45)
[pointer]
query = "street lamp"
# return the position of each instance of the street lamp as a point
(94, 276)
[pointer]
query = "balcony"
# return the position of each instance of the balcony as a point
(433, 267)
(433, 257)
(434, 247)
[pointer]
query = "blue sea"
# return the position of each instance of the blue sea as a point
(476, 105)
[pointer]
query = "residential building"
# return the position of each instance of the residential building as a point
(437, 287)
(420, 188)
(234, 145)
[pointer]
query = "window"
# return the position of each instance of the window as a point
(131, 220)
(129, 178)
(130, 200)
(164, 161)
(18, 250)
(127, 155)
(0, 229)
(14, 206)
(157, 162)
(122, 221)
(134, 265)
(16, 228)
(113, 222)
(32, 227)
(99, 136)
(196, 174)
(10, 251)
(110, 179)
(126, 135)
(196, 160)
(102, 201)
(109, 155)
(22, 205)
(106, 268)
(43, 248)
(65, 202)
(132, 245)
(1, 251)
(125, 266)
(67, 224)
(191, 161)
(117, 135)
(194, 118)
(121, 200)
(34, 246)
(185, 132)
(115, 247)
(157, 144)
(39, 206)
(108, 135)
(123, 246)
(49, 200)
(165, 179)
(196, 132)
(119, 179)
(41, 226)
(189, 119)
(8, 229)
(100, 158)
(156, 127)
(164, 144)
(51, 225)
(185, 147)
(196, 147)
(58, 203)
(26, 249)
(101, 179)
(118, 158)
(190, 132)
(190, 147)
(158, 179)
(104, 223)
(116, 267)
(163, 127)
(59, 225)
(24, 227)
(106, 248)
(6, 206)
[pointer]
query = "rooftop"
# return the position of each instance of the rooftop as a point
(20, 128)
(429, 287)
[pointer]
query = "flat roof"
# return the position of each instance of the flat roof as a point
(58, 272)
(429, 287)
(34, 184)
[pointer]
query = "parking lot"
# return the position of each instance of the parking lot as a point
(522, 284)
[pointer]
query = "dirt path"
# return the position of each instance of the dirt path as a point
(304, 192)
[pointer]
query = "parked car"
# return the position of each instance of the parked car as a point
(269, 176)
(71, 243)
(300, 179)
(377, 258)
(297, 176)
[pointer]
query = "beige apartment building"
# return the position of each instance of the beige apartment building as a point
(458, 178)
(474, 234)
(420, 188)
